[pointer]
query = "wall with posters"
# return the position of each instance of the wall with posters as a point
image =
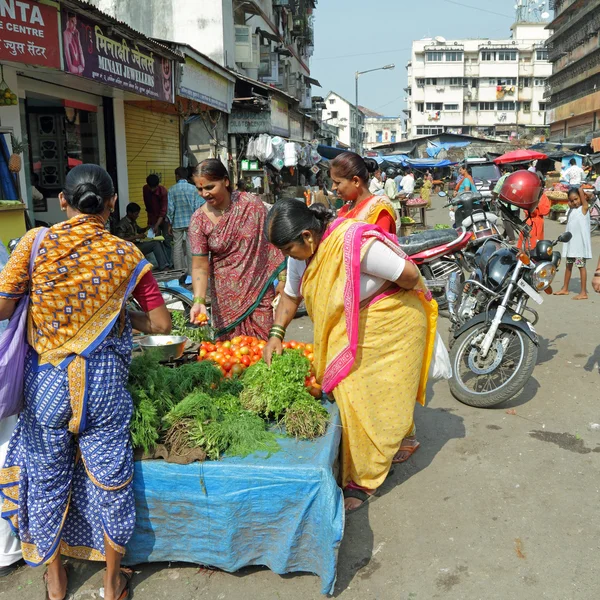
(29, 32)
(93, 52)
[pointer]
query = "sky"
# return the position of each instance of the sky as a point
(357, 35)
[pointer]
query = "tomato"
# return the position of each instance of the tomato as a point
(227, 345)
(203, 353)
(237, 370)
(286, 345)
(310, 356)
(293, 345)
(227, 364)
(218, 356)
(261, 344)
(244, 350)
(300, 345)
(313, 380)
(255, 359)
(236, 340)
(210, 347)
(234, 347)
(246, 361)
(310, 347)
(223, 371)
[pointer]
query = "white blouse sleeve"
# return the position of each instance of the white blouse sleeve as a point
(381, 261)
(295, 271)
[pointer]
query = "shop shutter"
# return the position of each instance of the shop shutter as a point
(152, 147)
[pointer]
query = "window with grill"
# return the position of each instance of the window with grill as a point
(420, 83)
(431, 81)
(454, 56)
(507, 81)
(542, 106)
(420, 107)
(488, 55)
(455, 81)
(429, 130)
(434, 56)
(393, 134)
(539, 82)
(434, 106)
(525, 82)
(526, 107)
(450, 106)
(487, 106)
(379, 136)
(507, 55)
(334, 114)
(541, 54)
(506, 106)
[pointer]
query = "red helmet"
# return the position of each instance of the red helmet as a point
(522, 189)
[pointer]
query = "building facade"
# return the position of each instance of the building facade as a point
(348, 120)
(480, 86)
(379, 129)
(574, 88)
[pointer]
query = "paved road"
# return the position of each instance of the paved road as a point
(493, 505)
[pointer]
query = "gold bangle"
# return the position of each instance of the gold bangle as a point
(276, 334)
(278, 328)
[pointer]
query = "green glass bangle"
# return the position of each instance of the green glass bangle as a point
(199, 300)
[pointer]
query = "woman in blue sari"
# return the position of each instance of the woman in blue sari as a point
(66, 482)
(465, 181)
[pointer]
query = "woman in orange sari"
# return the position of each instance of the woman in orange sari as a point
(374, 324)
(536, 222)
(350, 176)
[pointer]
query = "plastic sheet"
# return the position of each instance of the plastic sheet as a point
(284, 511)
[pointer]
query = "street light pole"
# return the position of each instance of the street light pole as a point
(356, 76)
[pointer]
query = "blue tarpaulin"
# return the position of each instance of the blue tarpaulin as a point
(284, 511)
(418, 163)
(436, 147)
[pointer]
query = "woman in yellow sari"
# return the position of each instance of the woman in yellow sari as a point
(374, 327)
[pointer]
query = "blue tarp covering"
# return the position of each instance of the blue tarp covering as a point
(284, 511)
(436, 147)
(419, 163)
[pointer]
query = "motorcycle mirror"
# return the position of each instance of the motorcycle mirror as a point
(565, 237)
(442, 194)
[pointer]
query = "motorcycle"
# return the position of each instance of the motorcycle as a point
(473, 213)
(437, 254)
(493, 344)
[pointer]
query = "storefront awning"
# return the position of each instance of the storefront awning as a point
(312, 81)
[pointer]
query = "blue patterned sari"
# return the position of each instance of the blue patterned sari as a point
(66, 481)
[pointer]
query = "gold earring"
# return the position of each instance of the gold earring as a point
(63, 208)
(112, 210)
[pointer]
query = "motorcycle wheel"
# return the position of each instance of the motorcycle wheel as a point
(498, 378)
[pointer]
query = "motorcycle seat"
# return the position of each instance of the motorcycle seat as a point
(419, 242)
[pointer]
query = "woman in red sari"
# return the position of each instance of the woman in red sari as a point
(228, 241)
(350, 175)
(536, 222)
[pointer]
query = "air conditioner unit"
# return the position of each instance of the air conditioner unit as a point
(243, 44)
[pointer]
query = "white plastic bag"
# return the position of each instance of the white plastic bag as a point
(441, 367)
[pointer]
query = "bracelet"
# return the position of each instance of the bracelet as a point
(199, 300)
(597, 274)
(276, 334)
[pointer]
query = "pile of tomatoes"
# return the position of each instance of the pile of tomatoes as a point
(234, 356)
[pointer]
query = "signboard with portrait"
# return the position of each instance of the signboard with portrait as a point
(29, 33)
(91, 51)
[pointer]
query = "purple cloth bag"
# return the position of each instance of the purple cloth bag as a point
(14, 346)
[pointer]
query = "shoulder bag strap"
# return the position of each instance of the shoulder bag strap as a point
(39, 238)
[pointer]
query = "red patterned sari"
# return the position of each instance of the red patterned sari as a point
(243, 266)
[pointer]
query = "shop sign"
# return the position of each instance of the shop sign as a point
(247, 121)
(92, 52)
(29, 33)
(201, 84)
(295, 129)
(280, 117)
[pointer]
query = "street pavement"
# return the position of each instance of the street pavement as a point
(496, 504)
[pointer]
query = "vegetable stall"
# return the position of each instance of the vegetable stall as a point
(235, 460)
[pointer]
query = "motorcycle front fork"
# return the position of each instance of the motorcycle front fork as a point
(486, 344)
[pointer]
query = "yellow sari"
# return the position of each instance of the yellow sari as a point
(374, 356)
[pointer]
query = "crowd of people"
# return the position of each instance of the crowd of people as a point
(66, 481)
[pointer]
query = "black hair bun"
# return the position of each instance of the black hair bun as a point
(87, 199)
(321, 212)
(371, 165)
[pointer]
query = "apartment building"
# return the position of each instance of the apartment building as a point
(348, 120)
(574, 88)
(380, 129)
(479, 86)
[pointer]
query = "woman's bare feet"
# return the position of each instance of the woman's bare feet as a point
(582, 296)
(562, 293)
(351, 504)
(56, 580)
(408, 447)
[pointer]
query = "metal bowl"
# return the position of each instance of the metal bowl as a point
(168, 347)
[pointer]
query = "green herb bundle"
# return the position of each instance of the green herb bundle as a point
(182, 326)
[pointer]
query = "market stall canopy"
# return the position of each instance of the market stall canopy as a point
(520, 156)
(434, 148)
(391, 160)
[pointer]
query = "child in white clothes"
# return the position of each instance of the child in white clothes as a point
(579, 249)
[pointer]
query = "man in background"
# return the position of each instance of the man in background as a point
(156, 201)
(128, 230)
(574, 175)
(184, 200)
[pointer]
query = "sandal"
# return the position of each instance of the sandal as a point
(127, 575)
(410, 449)
(67, 568)
(359, 495)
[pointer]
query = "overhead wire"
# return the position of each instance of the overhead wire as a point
(485, 10)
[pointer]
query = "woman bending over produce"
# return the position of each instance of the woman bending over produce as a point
(227, 238)
(66, 481)
(374, 328)
(350, 176)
